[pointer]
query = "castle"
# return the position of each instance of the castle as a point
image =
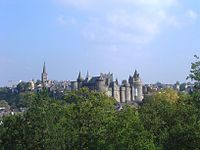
(128, 91)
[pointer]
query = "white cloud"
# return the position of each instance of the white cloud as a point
(125, 21)
(127, 27)
(94, 3)
(192, 14)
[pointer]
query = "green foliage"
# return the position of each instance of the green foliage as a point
(173, 125)
(168, 94)
(185, 130)
(129, 132)
(156, 116)
(84, 120)
(3, 103)
(24, 87)
(89, 120)
(195, 72)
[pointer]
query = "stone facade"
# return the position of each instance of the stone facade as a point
(128, 91)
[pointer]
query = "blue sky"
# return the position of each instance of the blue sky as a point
(156, 37)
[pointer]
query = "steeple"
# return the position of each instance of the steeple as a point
(44, 68)
(44, 76)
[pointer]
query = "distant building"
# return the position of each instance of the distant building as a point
(44, 76)
(128, 91)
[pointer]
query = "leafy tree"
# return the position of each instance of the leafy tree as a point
(129, 132)
(185, 130)
(168, 94)
(155, 115)
(97, 125)
(84, 120)
(195, 72)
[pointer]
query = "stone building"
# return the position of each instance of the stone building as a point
(128, 91)
(44, 76)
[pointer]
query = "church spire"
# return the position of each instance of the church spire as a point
(44, 68)
(44, 76)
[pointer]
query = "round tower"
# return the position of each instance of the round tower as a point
(137, 84)
(74, 85)
(127, 91)
(115, 91)
(122, 94)
(100, 84)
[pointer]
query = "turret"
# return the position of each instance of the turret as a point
(80, 81)
(136, 76)
(126, 85)
(74, 85)
(87, 78)
(115, 91)
(122, 94)
(127, 92)
(137, 84)
(100, 84)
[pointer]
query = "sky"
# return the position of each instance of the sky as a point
(158, 38)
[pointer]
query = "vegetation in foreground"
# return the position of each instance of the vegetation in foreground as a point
(88, 120)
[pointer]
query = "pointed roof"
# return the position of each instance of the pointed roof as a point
(88, 75)
(79, 77)
(44, 68)
(116, 81)
(136, 74)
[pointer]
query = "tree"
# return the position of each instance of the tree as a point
(83, 120)
(4, 104)
(195, 72)
(185, 130)
(156, 116)
(129, 132)
(96, 124)
(168, 94)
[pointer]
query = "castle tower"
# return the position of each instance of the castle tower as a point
(122, 94)
(44, 76)
(116, 91)
(127, 92)
(100, 84)
(132, 93)
(74, 85)
(132, 88)
(137, 84)
(80, 81)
